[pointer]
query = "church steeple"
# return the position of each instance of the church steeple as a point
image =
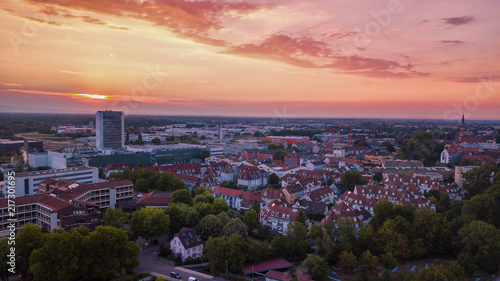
(462, 127)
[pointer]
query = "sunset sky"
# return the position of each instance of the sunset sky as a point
(276, 58)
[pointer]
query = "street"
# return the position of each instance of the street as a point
(149, 263)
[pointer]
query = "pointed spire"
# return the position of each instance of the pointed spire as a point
(463, 119)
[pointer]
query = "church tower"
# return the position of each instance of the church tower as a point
(462, 127)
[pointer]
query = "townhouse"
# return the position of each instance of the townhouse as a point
(237, 199)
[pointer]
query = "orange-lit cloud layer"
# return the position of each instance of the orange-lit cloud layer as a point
(276, 58)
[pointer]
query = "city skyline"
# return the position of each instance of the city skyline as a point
(282, 59)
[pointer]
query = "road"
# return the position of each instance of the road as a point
(149, 263)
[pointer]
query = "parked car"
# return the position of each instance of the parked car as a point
(192, 279)
(175, 275)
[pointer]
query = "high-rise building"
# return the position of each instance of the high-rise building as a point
(110, 129)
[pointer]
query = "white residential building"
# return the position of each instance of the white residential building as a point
(187, 243)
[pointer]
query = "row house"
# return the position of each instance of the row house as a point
(310, 206)
(357, 201)
(418, 203)
(423, 183)
(318, 175)
(293, 192)
(190, 181)
(237, 199)
(224, 170)
(252, 177)
(269, 195)
(196, 169)
(411, 188)
(453, 190)
(392, 194)
(323, 194)
(359, 217)
(277, 217)
(115, 168)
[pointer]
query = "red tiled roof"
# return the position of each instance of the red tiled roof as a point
(272, 193)
(50, 201)
(267, 265)
(154, 199)
(279, 275)
(226, 191)
(116, 166)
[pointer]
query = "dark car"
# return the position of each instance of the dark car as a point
(175, 275)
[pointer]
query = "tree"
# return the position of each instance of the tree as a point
(62, 257)
(439, 272)
(251, 219)
(484, 206)
(156, 141)
(5, 259)
(115, 217)
(388, 260)
(214, 253)
(235, 226)
(352, 178)
(390, 147)
(182, 196)
(368, 261)
(258, 251)
(110, 252)
(274, 179)
(29, 238)
(378, 177)
(205, 196)
(316, 266)
(209, 226)
(177, 217)
(142, 185)
(301, 217)
(386, 276)
(481, 241)
(477, 180)
(219, 206)
(279, 155)
(297, 244)
(434, 229)
(204, 153)
(149, 223)
(236, 251)
(279, 246)
(348, 261)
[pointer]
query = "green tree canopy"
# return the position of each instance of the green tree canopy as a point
(348, 261)
(481, 241)
(235, 226)
(182, 196)
(352, 178)
(251, 219)
(115, 217)
(316, 266)
(477, 180)
(149, 223)
(209, 226)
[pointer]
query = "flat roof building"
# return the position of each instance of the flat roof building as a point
(27, 183)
